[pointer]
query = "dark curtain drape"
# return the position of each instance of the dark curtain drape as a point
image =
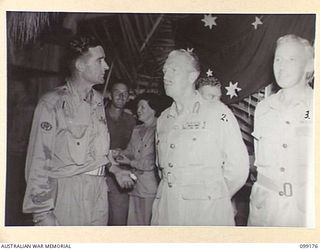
(237, 52)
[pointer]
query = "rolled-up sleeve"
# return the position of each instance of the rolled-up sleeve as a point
(39, 195)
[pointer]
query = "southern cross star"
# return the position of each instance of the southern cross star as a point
(209, 20)
(232, 89)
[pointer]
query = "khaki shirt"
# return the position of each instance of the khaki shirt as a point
(142, 152)
(283, 156)
(283, 138)
(69, 136)
(202, 157)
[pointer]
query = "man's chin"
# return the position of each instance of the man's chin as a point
(119, 106)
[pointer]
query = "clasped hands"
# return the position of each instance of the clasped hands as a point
(123, 177)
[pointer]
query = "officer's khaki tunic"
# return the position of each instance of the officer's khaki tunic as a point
(283, 153)
(203, 162)
(66, 155)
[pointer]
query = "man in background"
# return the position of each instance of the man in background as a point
(120, 124)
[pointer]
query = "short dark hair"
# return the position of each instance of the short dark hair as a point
(208, 81)
(77, 47)
(118, 82)
(156, 102)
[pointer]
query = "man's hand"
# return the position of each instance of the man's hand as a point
(122, 176)
(45, 219)
(123, 160)
(111, 158)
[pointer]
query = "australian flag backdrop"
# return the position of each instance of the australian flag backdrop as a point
(238, 49)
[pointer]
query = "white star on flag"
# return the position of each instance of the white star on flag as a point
(256, 23)
(189, 50)
(209, 20)
(209, 73)
(231, 90)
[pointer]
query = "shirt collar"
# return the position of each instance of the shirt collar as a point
(192, 107)
(91, 96)
(305, 98)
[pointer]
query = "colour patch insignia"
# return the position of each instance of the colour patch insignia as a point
(46, 126)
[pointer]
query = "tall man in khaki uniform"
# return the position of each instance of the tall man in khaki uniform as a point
(69, 146)
(201, 155)
(283, 141)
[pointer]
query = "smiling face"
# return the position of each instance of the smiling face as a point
(119, 95)
(179, 75)
(145, 112)
(92, 65)
(290, 64)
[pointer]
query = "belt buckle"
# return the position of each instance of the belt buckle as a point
(287, 190)
(169, 179)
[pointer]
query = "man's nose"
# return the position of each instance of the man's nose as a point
(165, 76)
(106, 66)
(122, 96)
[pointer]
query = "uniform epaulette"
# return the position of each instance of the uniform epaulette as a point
(54, 96)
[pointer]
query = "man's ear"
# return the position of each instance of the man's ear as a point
(309, 70)
(310, 65)
(79, 64)
(193, 75)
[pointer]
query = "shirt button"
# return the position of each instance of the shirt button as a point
(287, 122)
(78, 143)
(170, 165)
(175, 127)
(172, 146)
(281, 193)
(284, 145)
(169, 185)
(282, 169)
(194, 138)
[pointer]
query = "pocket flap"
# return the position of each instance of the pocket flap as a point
(77, 145)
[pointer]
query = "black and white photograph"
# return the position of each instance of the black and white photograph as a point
(160, 119)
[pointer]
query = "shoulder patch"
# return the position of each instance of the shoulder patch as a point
(46, 126)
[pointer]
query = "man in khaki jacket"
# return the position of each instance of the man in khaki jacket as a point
(201, 155)
(69, 146)
(283, 132)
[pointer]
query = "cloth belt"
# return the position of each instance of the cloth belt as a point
(181, 177)
(101, 171)
(283, 189)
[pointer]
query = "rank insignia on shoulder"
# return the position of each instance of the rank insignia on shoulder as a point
(46, 126)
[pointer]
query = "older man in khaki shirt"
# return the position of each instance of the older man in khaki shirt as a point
(69, 146)
(201, 155)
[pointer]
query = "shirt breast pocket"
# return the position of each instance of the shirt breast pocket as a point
(77, 141)
(197, 145)
(267, 149)
(303, 141)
